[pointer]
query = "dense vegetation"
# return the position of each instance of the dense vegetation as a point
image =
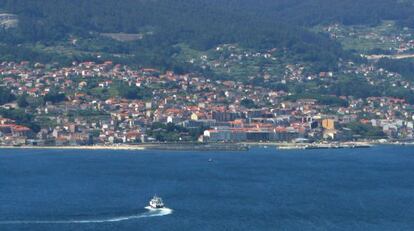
(366, 130)
(45, 19)
(54, 96)
(174, 133)
(261, 24)
(248, 103)
(405, 67)
(5, 95)
(313, 12)
(132, 92)
(200, 24)
(21, 117)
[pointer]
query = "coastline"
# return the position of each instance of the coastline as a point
(79, 147)
(144, 147)
(242, 146)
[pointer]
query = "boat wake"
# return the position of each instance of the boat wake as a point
(150, 213)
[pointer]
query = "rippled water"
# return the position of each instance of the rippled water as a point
(263, 189)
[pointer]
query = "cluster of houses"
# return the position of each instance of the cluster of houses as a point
(92, 112)
(386, 35)
(8, 20)
(11, 133)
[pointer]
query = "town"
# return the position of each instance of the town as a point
(105, 104)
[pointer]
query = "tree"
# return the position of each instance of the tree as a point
(5, 95)
(21, 117)
(366, 130)
(132, 92)
(248, 103)
(22, 101)
(55, 96)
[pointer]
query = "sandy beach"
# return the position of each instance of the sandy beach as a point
(142, 147)
(97, 147)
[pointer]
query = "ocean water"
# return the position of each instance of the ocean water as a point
(262, 189)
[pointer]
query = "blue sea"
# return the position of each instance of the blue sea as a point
(261, 189)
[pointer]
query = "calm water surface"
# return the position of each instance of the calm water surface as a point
(262, 189)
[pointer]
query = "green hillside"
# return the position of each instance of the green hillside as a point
(201, 25)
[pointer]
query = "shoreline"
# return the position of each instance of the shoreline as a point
(242, 146)
(143, 147)
(76, 147)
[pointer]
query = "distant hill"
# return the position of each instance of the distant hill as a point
(202, 24)
(313, 12)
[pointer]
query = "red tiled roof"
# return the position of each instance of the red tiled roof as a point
(19, 128)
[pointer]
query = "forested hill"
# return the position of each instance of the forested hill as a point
(313, 12)
(62, 16)
(258, 24)
(201, 23)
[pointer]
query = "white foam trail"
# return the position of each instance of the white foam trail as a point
(151, 213)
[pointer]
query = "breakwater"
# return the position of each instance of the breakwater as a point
(323, 146)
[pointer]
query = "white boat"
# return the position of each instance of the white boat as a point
(156, 203)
